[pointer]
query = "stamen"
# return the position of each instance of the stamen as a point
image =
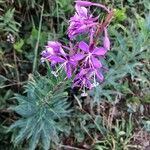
(84, 94)
(55, 73)
(95, 82)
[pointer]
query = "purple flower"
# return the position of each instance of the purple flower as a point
(56, 55)
(87, 4)
(81, 58)
(88, 78)
(81, 22)
(90, 54)
(106, 41)
(53, 48)
(83, 3)
(82, 79)
(66, 62)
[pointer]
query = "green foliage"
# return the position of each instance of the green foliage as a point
(33, 38)
(147, 125)
(5, 138)
(146, 98)
(120, 15)
(118, 138)
(125, 61)
(64, 5)
(4, 97)
(43, 111)
(18, 45)
(7, 22)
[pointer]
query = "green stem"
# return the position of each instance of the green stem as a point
(37, 43)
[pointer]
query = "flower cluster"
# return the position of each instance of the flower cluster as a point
(82, 59)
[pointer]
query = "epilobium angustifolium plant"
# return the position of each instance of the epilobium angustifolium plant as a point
(81, 60)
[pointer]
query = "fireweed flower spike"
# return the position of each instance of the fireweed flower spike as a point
(80, 58)
(81, 22)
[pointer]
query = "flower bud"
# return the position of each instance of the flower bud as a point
(83, 3)
(106, 41)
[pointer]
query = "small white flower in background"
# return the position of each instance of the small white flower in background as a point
(10, 38)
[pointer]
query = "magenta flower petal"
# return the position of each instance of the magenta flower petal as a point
(83, 79)
(89, 84)
(99, 51)
(99, 76)
(83, 72)
(83, 3)
(50, 50)
(73, 63)
(87, 4)
(53, 48)
(82, 11)
(62, 51)
(83, 46)
(78, 57)
(76, 83)
(54, 44)
(96, 62)
(57, 59)
(85, 27)
(68, 70)
(82, 82)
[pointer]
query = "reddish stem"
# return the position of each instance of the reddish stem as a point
(102, 25)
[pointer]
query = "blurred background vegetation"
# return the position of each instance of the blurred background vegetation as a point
(115, 115)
